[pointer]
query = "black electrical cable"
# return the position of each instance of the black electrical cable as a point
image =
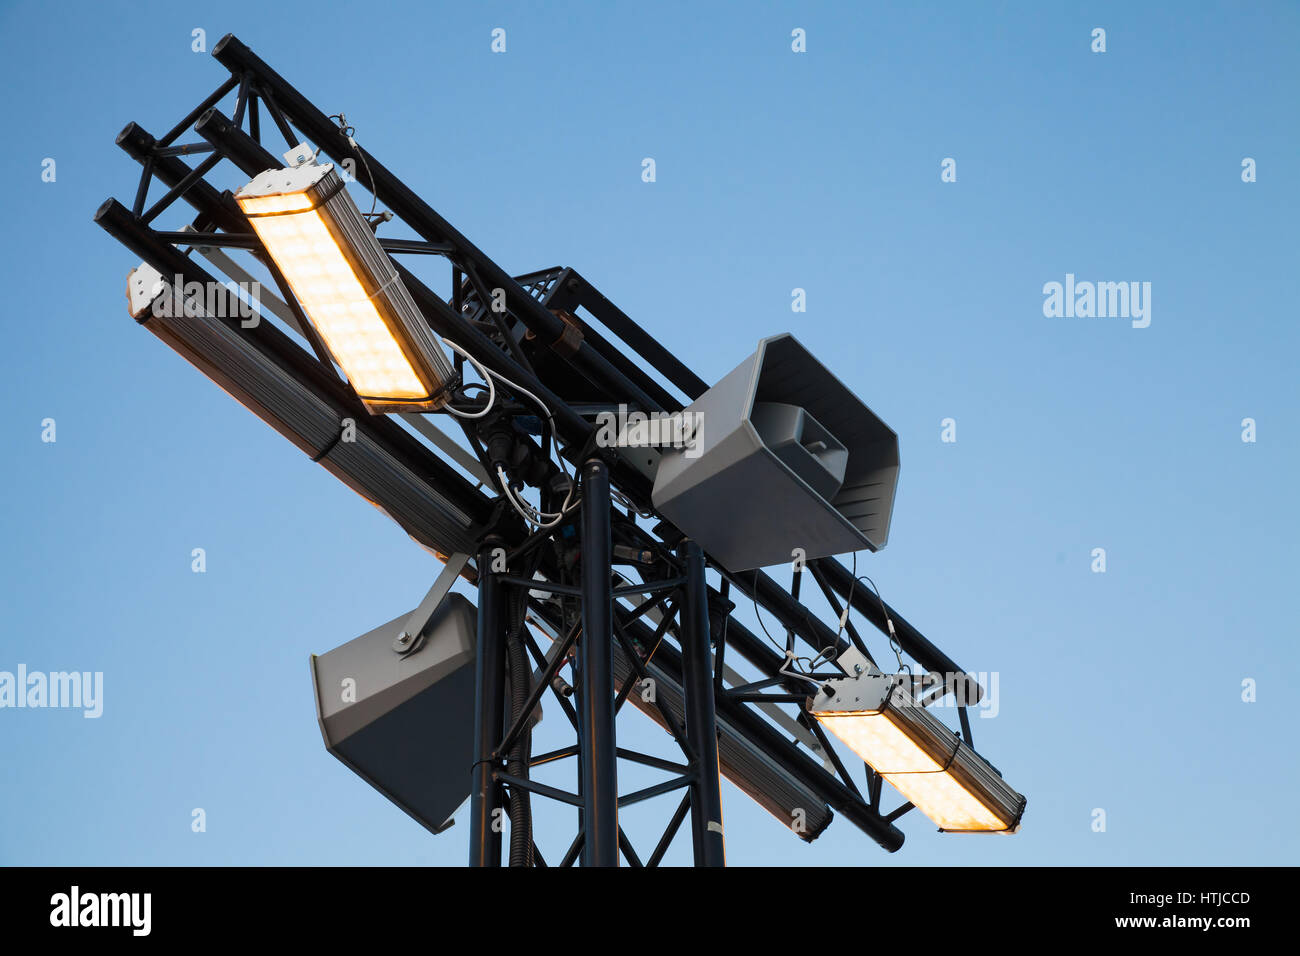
(884, 610)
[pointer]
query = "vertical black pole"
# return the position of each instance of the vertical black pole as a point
(595, 660)
(701, 720)
(489, 714)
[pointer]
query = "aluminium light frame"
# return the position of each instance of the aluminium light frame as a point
(871, 695)
(544, 342)
(322, 188)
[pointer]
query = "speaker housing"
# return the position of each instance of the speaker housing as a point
(762, 478)
(408, 729)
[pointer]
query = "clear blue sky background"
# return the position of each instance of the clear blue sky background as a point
(1119, 691)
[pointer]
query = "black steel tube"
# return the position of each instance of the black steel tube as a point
(628, 851)
(655, 790)
(541, 789)
(222, 240)
(236, 145)
(185, 149)
(701, 720)
(242, 99)
(142, 191)
(489, 710)
(599, 757)
(758, 697)
(254, 124)
(280, 122)
(211, 101)
(670, 831)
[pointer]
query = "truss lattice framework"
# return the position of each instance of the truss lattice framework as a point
(663, 622)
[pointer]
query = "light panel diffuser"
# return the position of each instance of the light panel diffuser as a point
(348, 287)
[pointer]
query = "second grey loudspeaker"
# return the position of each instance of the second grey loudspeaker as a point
(405, 723)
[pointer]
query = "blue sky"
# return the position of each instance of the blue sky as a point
(775, 170)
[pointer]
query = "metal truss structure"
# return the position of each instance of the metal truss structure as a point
(625, 591)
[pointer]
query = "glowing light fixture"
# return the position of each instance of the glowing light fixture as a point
(348, 287)
(912, 749)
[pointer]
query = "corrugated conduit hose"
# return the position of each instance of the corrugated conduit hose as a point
(521, 817)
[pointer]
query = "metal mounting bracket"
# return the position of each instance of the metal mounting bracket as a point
(411, 637)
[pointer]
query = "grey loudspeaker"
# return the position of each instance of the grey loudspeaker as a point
(785, 457)
(405, 723)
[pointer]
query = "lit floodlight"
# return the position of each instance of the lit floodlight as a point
(925, 761)
(348, 287)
